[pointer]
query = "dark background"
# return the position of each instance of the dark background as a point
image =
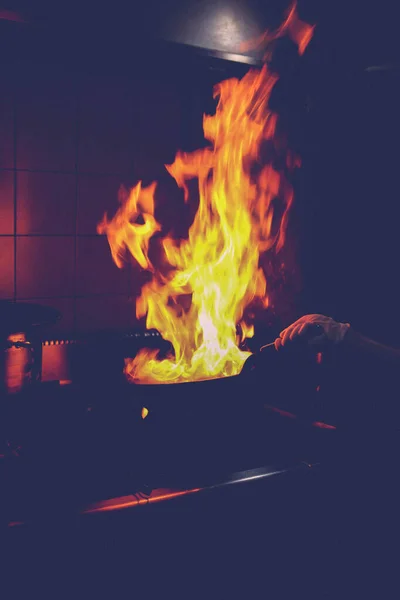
(92, 96)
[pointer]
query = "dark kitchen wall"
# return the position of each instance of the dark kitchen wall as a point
(67, 142)
(356, 202)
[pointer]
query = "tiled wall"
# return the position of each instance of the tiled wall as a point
(67, 142)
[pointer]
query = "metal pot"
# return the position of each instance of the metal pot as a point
(21, 325)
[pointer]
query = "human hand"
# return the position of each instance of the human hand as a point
(320, 328)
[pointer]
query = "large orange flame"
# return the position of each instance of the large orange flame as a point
(213, 275)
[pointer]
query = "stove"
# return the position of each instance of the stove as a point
(76, 446)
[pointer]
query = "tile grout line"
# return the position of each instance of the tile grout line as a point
(76, 172)
(57, 235)
(134, 167)
(14, 108)
(80, 296)
(100, 174)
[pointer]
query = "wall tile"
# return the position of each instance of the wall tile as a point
(158, 128)
(6, 202)
(46, 122)
(106, 135)
(104, 313)
(46, 203)
(45, 266)
(6, 123)
(96, 272)
(97, 195)
(123, 128)
(6, 267)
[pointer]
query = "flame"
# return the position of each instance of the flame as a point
(125, 233)
(198, 292)
(298, 31)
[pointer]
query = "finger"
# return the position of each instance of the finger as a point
(298, 322)
(278, 343)
(286, 334)
(295, 332)
(304, 327)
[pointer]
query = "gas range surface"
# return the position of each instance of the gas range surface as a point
(69, 447)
